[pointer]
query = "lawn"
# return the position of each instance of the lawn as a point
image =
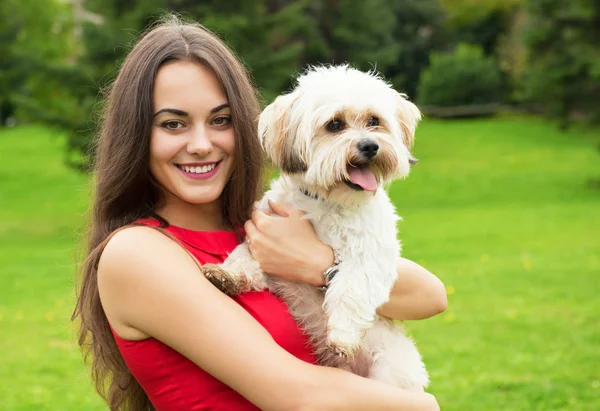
(501, 210)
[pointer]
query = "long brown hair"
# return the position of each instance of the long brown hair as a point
(126, 191)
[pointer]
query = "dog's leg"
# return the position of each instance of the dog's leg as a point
(395, 359)
(352, 300)
(305, 304)
(239, 273)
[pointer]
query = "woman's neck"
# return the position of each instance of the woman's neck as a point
(197, 217)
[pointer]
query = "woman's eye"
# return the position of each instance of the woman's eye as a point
(221, 121)
(173, 124)
(373, 122)
(335, 125)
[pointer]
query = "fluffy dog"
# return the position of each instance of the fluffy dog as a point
(338, 137)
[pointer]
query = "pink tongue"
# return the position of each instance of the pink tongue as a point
(363, 177)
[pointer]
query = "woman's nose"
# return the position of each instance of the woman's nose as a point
(199, 142)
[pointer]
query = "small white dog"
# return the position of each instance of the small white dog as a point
(337, 138)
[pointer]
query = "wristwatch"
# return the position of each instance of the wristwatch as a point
(331, 271)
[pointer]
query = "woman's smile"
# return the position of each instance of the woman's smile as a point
(199, 171)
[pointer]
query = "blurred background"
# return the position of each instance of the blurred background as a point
(504, 205)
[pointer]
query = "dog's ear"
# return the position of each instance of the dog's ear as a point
(408, 116)
(278, 137)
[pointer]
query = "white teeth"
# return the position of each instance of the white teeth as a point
(198, 169)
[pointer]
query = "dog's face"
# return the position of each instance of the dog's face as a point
(340, 132)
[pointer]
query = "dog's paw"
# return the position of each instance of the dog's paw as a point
(224, 280)
(343, 352)
(344, 344)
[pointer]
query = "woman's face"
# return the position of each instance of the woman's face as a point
(192, 145)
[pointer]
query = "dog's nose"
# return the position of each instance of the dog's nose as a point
(368, 148)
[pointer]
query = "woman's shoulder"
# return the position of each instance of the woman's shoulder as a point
(131, 255)
(143, 265)
(134, 242)
(124, 264)
(135, 237)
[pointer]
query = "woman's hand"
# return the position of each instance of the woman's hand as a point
(285, 244)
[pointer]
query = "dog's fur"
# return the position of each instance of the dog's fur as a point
(360, 224)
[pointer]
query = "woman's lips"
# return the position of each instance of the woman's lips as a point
(198, 175)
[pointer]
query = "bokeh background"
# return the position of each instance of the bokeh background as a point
(504, 205)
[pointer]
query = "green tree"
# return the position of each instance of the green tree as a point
(481, 22)
(358, 32)
(562, 73)
(273, 38)
(277, 38)
(24, 46)
(418, 31)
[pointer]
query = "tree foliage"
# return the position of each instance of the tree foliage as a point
(419, 31)
(463, 77)
(24, 47)
(562, 73)
(481, 22)
(548, 49)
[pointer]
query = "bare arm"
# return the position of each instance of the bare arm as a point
(149, 286)
(417, 294)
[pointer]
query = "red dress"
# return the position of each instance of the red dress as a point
(173, 382)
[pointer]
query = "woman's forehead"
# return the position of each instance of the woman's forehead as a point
(187, 84)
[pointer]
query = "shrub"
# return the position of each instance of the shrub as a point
(460, 78)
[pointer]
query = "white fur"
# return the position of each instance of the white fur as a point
(342, 323)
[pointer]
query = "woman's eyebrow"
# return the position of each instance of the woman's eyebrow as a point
(182, 113)
(172, 111)
(219, 108)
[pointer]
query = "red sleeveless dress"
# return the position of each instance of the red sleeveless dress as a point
(173, 382)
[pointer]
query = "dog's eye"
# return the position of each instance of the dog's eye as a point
(373, 122)
(335, 125)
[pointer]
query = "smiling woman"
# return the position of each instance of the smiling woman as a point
(189, 126)
(178, 170)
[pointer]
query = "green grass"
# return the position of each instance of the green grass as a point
(42, 205)
(501, 210)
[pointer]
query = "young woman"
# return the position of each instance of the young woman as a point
(178, 169)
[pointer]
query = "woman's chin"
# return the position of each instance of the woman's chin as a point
(193, 193)
(201, 197)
